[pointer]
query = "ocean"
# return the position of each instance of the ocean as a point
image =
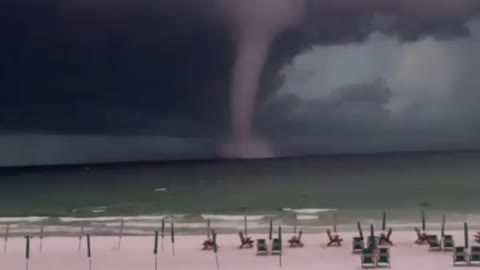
(309, 192)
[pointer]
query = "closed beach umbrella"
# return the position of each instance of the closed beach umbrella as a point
(41, 238)
(215, 248)
(209, 230)
(423, 221)
(384, 221)
(155, 248)
(172, 231)
(163, 231)
(155, 243)
(360, 231)
(372, 238)
(120, 234)
(465, 228)
(335, 222)
(280, 232)
(89, 252)
(443, 226)
(27, 250)
(7, 232)
(270, 232)
(245, 226)
(80, 236)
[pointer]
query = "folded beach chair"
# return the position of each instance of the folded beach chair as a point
(246, 241)
(368, 258)
(385, 239)
(448, 243)
(335, 239)
(262, 247)
(296, 241)
(358, 244)
(433, 243)
(421, 237)
(475, 255)
(460, 257)
(383, 257)
(277, 246)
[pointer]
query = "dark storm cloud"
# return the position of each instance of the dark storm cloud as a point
(163, 67)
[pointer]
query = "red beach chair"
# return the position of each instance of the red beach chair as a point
(296, 241)
(335, 239)
(208, 244)
(385, 239)
(422, 238)
(246, 241)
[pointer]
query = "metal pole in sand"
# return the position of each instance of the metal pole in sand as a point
(245, 226)
(80, 238)
(27, 251)
(215, 248)
(270, 231)
(443, 227)
(281, 245)
(172, 231)
(372, 238)
(424, 226)
(155, 248)
(7, 232)
(41, 239)
(465, 229)
(335, 222)
(120, 234)
(163, 231)
(89, 253)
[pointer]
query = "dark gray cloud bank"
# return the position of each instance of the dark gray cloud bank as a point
(86, 81)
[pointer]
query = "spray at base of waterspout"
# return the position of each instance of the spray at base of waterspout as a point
(245, 148)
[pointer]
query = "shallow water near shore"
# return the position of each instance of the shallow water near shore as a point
(290, 191)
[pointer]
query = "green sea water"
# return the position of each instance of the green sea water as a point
(357, 186)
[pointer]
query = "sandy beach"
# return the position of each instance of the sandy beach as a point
(136, 253)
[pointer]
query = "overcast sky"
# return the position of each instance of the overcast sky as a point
(377, 95)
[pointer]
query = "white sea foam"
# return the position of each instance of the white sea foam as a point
(125, 218)
(307, 217)
(21, 219)
(232, 217)
(309, 210)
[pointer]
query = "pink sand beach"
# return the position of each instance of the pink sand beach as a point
(136, 253)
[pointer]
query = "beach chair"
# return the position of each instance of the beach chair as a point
(448, 243)
(383, 257)
(368, 258)
(276, 246)
(296, 241)
(460, 256)
(208, 244)
(421, 237)
(477, 237)
(246, 241)
(262, 247)
(358, 244)
(433, 243)
(335, 239)
(475, 255)
(385, 238)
